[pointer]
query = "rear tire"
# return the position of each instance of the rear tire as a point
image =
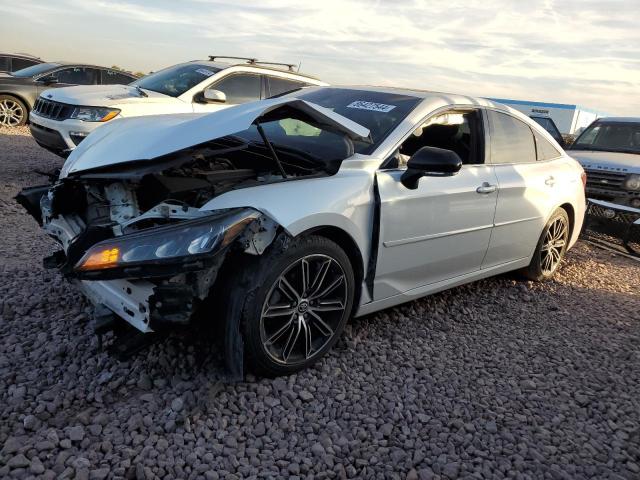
(294, 301)
(550, 249)
(13, 112)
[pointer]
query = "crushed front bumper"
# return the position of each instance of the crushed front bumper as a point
(142, 303)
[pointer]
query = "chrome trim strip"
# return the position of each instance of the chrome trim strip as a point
(404, 241)
(511, 222)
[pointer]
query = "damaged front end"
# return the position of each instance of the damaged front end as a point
(152, 269)
(132, 210)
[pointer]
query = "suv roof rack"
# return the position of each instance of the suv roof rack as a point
(212, 58)
(254, 61)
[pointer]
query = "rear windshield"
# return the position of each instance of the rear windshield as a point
(610, 137)
(176, 80)
(35, 70)
(380, 112)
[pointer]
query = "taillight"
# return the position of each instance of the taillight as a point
(583, 176)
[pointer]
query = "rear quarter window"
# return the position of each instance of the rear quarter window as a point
(511, 139)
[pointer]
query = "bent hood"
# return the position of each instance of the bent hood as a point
(146, 138)
(105, 95)
(611, 161)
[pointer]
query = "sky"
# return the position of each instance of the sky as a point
(584, 52)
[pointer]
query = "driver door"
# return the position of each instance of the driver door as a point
(440, 230)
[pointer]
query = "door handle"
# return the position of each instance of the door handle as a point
(486, 187)
(550, 181)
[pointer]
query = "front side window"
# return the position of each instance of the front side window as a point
(611, 137)
(113, 77)
(240, 88)
(4, 64)
(458, 131)
(77, 76)
(279, 86)
(380, 112)
(176, 80)
(511, 139)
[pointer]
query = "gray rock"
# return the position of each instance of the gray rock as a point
(76, 434)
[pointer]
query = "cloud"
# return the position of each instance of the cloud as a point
(573, 51)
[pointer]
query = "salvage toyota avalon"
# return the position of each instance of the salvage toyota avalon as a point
(281, 219)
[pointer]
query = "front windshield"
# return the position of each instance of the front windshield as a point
(380, 112)
(610, 137)
(176, 80)
(35, 70)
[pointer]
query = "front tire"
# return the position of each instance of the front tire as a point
(551, 248)
(295, 304)
(13, 112)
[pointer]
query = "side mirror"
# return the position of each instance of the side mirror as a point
(48, 79)
(430, 162)
(214, 96)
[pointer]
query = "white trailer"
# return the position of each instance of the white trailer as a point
(570, 119)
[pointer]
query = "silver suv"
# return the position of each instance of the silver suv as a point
(609, 151)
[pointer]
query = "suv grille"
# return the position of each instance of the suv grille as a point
(604, 180)
(53, 110)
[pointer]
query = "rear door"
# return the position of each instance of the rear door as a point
(440, 230)
(526, 189)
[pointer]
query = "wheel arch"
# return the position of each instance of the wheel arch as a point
(18, 97)
(23, 100)
(345, 241)
(571, 213)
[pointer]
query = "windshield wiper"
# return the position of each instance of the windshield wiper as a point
(274, 155)
(140, 91)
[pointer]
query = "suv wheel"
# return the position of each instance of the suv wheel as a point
(13, 113)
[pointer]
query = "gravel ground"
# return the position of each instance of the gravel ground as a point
(498, 379)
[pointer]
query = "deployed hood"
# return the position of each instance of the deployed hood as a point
(145, 138)
(104, 95)
(612, 161)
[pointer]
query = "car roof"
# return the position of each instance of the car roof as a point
(257, 66)
(619, 119)
(449, 98)
(20, 55)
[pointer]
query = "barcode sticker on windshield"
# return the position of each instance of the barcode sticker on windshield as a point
(205, 72)
(375, 107)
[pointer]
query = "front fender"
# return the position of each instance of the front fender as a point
(344, 200)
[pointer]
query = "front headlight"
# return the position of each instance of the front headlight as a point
(94, 114)
(188, 240)
(632, 182)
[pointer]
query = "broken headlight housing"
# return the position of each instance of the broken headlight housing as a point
(181, 244)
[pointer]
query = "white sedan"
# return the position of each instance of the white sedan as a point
(282, 219)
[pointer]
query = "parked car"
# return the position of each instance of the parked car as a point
(63, 118)
(550, 126)
(19, 90)
(609, 151)
(284, 218)
(11, 62)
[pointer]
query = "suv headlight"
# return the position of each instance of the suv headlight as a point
(175, 244)
(94, 114)
(632, 182)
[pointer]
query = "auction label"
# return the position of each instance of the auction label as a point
(374, 107)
